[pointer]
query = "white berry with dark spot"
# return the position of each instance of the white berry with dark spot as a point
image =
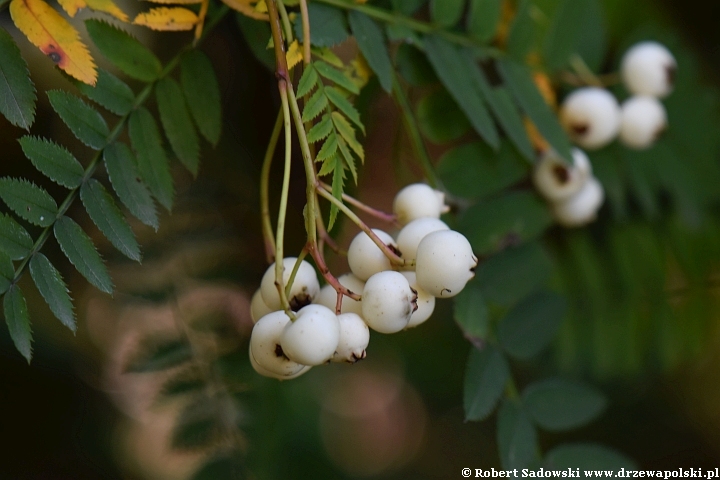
(445, 263)
(648, 68)
(556, 180)
(591, 117)
(313, 337)
(354, 338)
(582, 207)
(411, 234)
(365, 257)
(425, 302)
(418, 200)
(265, 349)
(258, 308)
(304, 288)
(643, 121)
(328, 295)
(388, 302)
(267, 373)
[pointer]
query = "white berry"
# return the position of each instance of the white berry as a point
(258, 308)
(313, 337)
(643, 120)
(425, 302)
(265, 347)
(445, 263)
(304, 288)
(591, 117)
(365, 258)
(409, 237)
(582, 207)
(648, 68)
(555, 180)
(328, 295)
(354, 338)
(388, 302)
(418, 200)
(267, 373)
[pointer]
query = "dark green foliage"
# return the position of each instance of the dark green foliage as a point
(562, 405)
(17, 92)
(14, 240)
(564, 33)
(202, 94)
(84, 121)
(109, 92)
(413, 66)
(28, 201)
(516, 436)
(124, 51)
(177, 123)
(328, 25)
(54, 161)
(446, 13)
(18, 321)
(483, 18)
(80, 250)
(532, 324)
(471, 314)
(371, 42)
(486, 375)
(7, 273)
(439, 117)
(52, 287)
(152, 162)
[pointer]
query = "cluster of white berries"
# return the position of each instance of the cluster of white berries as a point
(574, 194)
(593, 118)
(438, 263)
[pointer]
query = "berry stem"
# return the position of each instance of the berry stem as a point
(268, 236)
(314, 252)
(392, 256)
(295, 269)
(306, 31)
(387, 217)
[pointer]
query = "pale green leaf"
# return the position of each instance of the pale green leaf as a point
(336, 76)
(80, 250)
(307, 82)
(328, 148)
(347, 132)
(109, 219)
(177, 123)
(348, 158)
(337, 192)
(28, 201)
(84, 121)
(52, 160)
(314, 106)
(53, 289)
(152, 162)
(344, 105)
(320, 130)
(17, 92)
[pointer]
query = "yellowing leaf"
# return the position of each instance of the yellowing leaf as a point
(294, 54)
(176, 2)
(261, 7)
(167, 19)
(55, 37)
(247, 8)
(107, 6)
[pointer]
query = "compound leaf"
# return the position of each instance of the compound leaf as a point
(344, 105)
(80, 250)
(336, 76)
(314, 106)
(308, 81)
(320, 130)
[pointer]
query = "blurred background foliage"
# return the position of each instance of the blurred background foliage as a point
(641, 284)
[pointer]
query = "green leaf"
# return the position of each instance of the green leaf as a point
(109, 92)
(109, 219)
(308, 81)
(28, 201)
(80, 250)
(336, 76)
(328, 148)
(408, 7)
(510, 219)
(402, 34)
(321, 130)
(314, 106)
(593, 41)
(152, 162)
(413, 66)
(348, 157)
(471, 314)
(337, 191)
(586, 456)
(177, 123)
(53, 161)
(503, 107)
(85, 122)
(202, 93)
(483, 18)
(7, 273)
(532, 324)
(124, 51)
(564, 34)
(125, 179)
(328, 25)
(17, 92)
(160, 355)
(440, 119)
(18, 321)
(256, 35)
(486, 374)
(522, 32)
(14, 240)
(453, 70)
(513, 274)
(446, 13)
(371, 42)
(344, 105)
(347, 133)
(52, 287)
(557, 404)
(516, 436)
(519, 79)
(473, 170)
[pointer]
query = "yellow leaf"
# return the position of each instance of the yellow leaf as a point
(167, 19)
(261, 7)
(107, 6)
(55, 37)
(247, 8)
(294, 54)
(176, 2)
